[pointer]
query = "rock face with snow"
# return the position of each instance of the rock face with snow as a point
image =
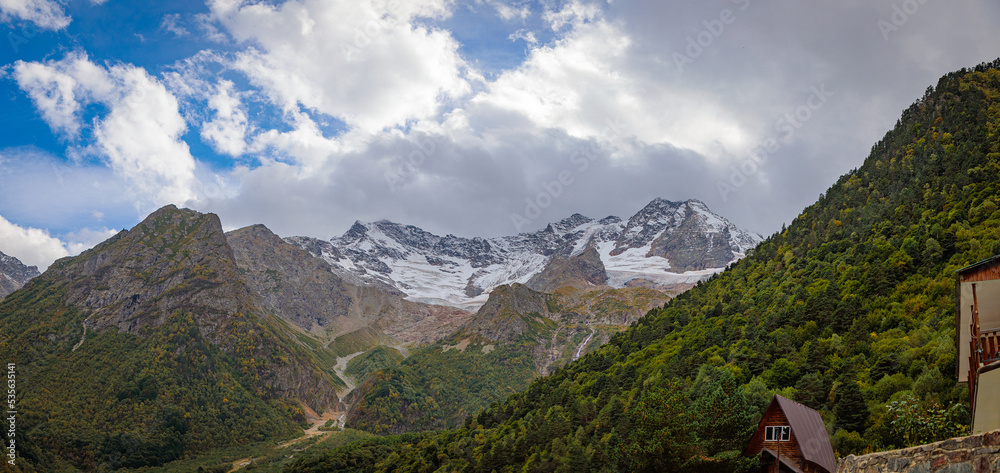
(665, 243)
(14, 274)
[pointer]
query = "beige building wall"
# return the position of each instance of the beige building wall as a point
(987, 416)
(988, 294)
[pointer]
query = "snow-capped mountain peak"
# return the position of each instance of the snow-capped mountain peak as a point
(664, 243)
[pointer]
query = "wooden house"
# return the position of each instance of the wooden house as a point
(792, 438)
(977, 315)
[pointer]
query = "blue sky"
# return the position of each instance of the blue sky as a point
(455, 116)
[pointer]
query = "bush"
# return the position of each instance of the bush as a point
(889, 385)
(919, 423)
(848, 443)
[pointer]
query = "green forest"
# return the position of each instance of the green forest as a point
(849, 310)
(122, 401)
(440, 385)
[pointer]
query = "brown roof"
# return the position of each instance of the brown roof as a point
(985, 262)
(810, 432)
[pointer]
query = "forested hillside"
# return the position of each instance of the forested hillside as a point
(849, 310)
(150, 347)
(518, 335)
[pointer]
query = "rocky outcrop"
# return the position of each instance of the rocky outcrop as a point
(584, 270)
(690, 249)
(14, 274)
(974, 454)
(511, 312)
(515, 310)
(289, 280)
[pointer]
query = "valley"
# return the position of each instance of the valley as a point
(254, 334)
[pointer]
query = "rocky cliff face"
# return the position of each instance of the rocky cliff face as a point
(698, 241)
(289, 280)
(14, 274)
(553, 323)
(584, 270)
(173, 260)
(560, 326)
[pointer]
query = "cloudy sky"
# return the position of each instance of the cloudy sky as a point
(476, 118)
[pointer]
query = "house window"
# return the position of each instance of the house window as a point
(778, 433)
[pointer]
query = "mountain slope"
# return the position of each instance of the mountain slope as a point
(666, 243)
(304, 291)
(518, 335)
(14, 274)
(849, 310)
(150, 346)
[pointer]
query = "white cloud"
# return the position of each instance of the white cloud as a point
(510, 12)
(47, 14)
(527, 36)
(34, 247)
(502, 143)
(58, 88)
(140, 137)
(370, 65)
(305, 143)
(171, 23)
(207, 25)
(573, 13)
(590, 76)
(227, 130)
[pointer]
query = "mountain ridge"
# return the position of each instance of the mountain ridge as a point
(14, 274)
(665, 243)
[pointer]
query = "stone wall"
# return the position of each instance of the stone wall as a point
(974, 454)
